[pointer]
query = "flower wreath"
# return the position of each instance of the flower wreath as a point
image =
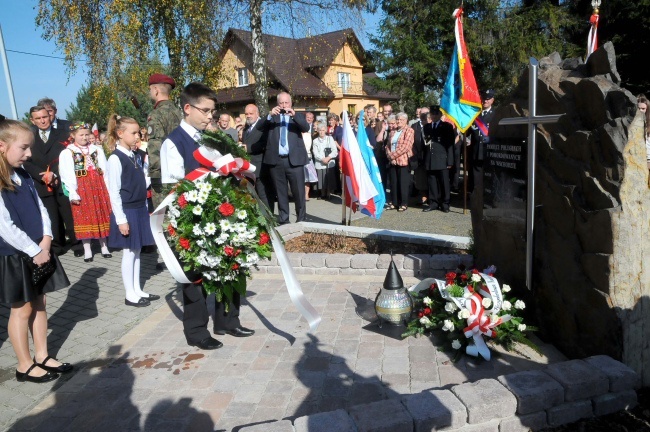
(469, 307)
(216, 225)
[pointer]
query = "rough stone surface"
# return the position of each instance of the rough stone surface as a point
(579, 379)
(485, 400)
(435, 410)
(569, 412)
(613, 402)
(278, 426)
(593, 294)
(621, 377)
(363, 261)
(373, 417)
(338, 421)
(338, 260)
(534, 390)
(524, 423)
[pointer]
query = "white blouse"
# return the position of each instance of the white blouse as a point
(67, 171)
(319, 146)
(16, 237)
(114, 174)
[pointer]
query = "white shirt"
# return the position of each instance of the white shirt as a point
(66, 167)
(172, 165)
(114, 175)
(46, 132)
(16, 237)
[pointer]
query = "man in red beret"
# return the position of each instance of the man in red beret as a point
(164, 118)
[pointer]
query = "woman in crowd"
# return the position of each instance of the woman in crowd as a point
(398, 150)
(325, 151)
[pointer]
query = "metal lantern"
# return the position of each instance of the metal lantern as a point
(393, 304)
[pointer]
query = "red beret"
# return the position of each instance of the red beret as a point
(159, 78)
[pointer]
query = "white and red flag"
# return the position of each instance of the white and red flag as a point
(592, 38)
(95, 131)
(363, 187)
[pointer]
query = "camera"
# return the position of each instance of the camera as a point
(327, 151)
(283, 111)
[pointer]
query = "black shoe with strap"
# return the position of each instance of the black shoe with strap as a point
(62, 368)
(25, 376)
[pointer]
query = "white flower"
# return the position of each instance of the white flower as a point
(506, 305)
(450, 307)
(505, 288)
(520, 305)
(204, 187)
(241, 214)
(240, 227)
(192, 195)
(494, 318)
(210, 228)
(197, 210)
(476, 278)
(456, 344)
(486, 302)
(427, 301)
(200, 243)
(196, 230)
(425, 321)
(447, 325)
(203, 197)
(252, 258)
(225, 225)
(521, 327)
(173, 223)
(463, 314)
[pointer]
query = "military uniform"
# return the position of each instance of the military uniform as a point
(164, 118)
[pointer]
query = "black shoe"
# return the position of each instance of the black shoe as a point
(445, 210)
(161, 266)
(63, 368)
(208, 343)
(140, 303)
(428, 209)
(236, 332)
(78, 253)
(152, 297)
(88, 259)
(108, 255)
(149, 249)
(25, 376)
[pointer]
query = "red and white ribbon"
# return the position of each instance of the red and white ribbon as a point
(224, 165)
(592, 38)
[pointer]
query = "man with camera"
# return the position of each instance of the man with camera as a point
(286, 156)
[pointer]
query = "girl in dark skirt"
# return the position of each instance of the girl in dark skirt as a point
(127, 187)
(25, 242)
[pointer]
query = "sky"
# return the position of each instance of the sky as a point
(36, 66)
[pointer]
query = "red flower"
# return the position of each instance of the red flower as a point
(264, 239)
(185, 243)
(229, 250)
(463, 277)
(171, 230)
(237, 252)
(235, 266)
(427, 311)
(420, 314)
(450, 276)
(226, 209)
(474, 271)
(182, 202)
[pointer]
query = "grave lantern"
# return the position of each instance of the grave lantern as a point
(393, 304)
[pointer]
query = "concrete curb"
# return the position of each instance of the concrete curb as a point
(521, 401)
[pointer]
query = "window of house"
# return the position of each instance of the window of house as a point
(344, 81)
(242, 77)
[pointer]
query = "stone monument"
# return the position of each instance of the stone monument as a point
(591, 273)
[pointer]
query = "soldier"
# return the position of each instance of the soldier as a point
(479, 139)
(164, 118)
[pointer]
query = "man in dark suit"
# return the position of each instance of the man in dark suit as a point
(286, 156)
(439, 139)
(417, 160)
(50, 107)
(478, 141)
(255, 137)
(43, 167)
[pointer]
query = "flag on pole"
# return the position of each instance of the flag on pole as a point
(592, 38)
(95, 131)
(362, 182)
(461, 101)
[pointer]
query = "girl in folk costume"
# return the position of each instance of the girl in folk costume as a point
(82, 167)
(127, 187)
(27, 268)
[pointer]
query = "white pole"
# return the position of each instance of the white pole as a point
(10, 89)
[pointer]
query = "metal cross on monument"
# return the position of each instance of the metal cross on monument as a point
(532, 121)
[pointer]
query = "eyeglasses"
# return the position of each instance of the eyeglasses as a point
(205, 111)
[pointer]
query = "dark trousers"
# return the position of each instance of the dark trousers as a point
(400, 179)
(58, 228)
(65, 213)
(227, 320)
(264, 185)
(284, 173)
(382, 163)
(475, 177)
(195, 313)
(454, 172)
(439, 193)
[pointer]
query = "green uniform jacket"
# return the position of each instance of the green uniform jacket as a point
(164, 118)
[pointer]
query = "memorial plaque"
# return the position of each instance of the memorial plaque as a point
(505, 180)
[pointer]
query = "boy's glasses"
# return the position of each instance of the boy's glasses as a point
(205, 111)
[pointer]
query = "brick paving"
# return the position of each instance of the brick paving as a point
(134, 370)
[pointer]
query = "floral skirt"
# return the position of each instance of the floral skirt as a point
(92, 216)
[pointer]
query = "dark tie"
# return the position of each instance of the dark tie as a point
(484, 112)
(283, 132)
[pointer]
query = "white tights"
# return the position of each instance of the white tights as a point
(131, 275)
(88, 253)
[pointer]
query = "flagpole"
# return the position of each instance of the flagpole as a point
(342, 198)
(465, 174)
(10, 88)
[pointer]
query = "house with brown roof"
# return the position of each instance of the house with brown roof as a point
(323, 73)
